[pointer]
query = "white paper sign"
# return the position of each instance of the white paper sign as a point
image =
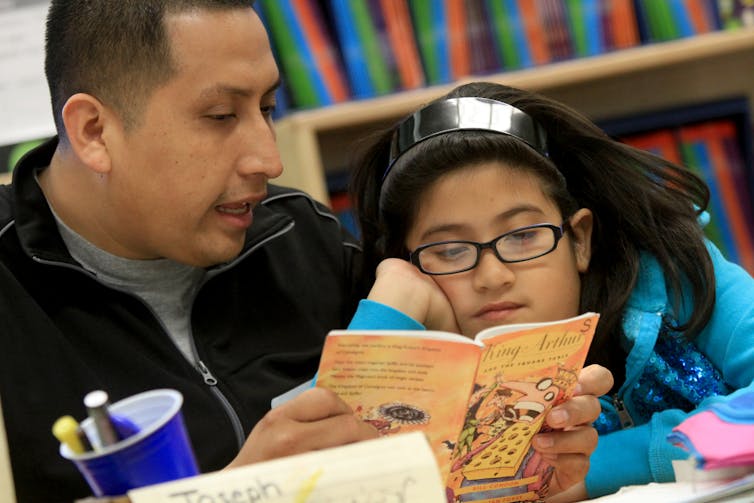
(24, 98)
(395, 469)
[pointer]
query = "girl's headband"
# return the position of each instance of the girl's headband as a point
(467, 113)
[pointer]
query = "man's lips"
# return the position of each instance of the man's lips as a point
(234, 208)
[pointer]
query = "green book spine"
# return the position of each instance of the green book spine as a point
(422, 16)
(692, 162)
(504, 37)
(661, 19)
(378, 72)
(578, 26)
(296, 73)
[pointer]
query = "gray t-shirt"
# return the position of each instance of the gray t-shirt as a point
(166, 286)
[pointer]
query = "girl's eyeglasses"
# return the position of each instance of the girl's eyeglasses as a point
(518, 245)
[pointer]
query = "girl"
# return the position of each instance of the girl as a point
(493, 205)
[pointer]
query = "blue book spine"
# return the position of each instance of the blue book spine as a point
(681, 18)
(304, 48)
(593, 24)
(716, 203)
(440, 32)
(352, 50)
(519, 34)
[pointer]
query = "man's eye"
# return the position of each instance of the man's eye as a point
(268, 110)
(221, 117)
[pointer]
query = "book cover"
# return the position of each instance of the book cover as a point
(479, 401)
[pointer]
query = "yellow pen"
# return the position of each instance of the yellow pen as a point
(66, 429)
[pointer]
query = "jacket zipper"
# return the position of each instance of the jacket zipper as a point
(623, 415)
(211, 381)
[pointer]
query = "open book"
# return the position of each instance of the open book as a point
(479, 401)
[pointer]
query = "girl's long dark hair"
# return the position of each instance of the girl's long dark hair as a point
(641, 203)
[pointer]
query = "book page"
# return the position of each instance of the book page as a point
(396, 469)
(522, 375)
(403, 382)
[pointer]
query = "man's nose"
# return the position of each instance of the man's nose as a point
(261, 155)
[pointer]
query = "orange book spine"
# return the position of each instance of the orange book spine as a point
(401, 35)
(624, 24)
(713, 135)
(661, 142)
(699, 16)
(534, 30)
(458, 42)
(322, 50)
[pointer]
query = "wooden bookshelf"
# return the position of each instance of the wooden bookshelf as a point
(643, 78)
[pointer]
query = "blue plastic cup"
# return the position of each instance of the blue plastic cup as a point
(161, 451)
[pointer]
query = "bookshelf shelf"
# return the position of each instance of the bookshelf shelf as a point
(631, 80)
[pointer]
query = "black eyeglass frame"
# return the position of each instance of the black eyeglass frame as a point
(557, 230)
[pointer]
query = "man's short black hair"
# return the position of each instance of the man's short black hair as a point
(115, 50)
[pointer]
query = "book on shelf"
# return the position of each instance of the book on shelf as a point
(397, 27)
(712, 139)
(621, 30)
(509, 35)
(712, 151)
(554, 20)
(457, 28)
(312, 71)
(536, 35)
(599, 26)
(362, 49)
(485, 57)
(479, 401)
(672, 19)
(430, 25)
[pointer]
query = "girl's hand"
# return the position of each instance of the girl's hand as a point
(402, 286)
(568, 449)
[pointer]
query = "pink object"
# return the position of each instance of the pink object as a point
(715, 441)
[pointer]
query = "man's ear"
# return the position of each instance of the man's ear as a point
(85, 119)
(581, 224)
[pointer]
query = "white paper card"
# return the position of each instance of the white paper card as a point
(393, 469)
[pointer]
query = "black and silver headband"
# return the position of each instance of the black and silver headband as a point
(467, 113)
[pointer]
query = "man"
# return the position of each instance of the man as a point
(142, 248)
